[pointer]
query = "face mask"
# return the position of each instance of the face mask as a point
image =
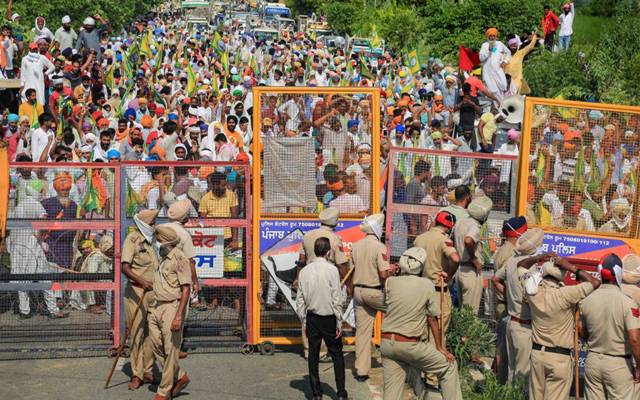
(164, 250)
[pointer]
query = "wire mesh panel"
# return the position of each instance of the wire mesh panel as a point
(582, 167)
(219, 222)
(315, 148)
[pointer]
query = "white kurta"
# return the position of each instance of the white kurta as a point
(32, 71)
(492, 72)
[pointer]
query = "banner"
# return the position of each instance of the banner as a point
(273, 231)
(584, 247)
(209, 247)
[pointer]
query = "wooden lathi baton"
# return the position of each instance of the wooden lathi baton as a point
(442, 311)
(576, 353)
(124, 340)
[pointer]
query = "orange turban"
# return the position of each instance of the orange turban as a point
(335, 186)
(491, 31)
(62, 181)
(157, 149)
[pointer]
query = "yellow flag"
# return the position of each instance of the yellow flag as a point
(145, 45)
(375, 39)
(191, 81)
(413, 63)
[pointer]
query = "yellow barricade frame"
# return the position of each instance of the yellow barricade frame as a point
(258, 92)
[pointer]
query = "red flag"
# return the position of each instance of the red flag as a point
(468, 59)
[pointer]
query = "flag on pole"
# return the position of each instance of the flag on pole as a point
(224, 60)
(468, 58)
(364, 69)
(191, 81)
(109, 79)
(216, 41)
(145, 45)
(96, 197)
(375, 39)
(412, 61)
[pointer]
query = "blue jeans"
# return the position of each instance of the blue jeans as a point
(564, 42)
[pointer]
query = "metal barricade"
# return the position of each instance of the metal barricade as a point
(421, 182)
(312, 148)
(60, 268)
(220, 225)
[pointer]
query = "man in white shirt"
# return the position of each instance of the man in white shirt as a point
(65, 35)
(42, 138)
(566, 26)
(319, 304)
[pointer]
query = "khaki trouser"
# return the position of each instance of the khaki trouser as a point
(166, 344)
(399, 357)
(519, 350)
(608, 377)
(141, 353)
(551, 376)
(367, 302)
(469, 287)
(446, 314)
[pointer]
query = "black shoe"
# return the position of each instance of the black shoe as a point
(361, 378)
(24, 316)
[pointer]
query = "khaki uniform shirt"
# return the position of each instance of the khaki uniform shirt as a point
(439, 247)
(607, 315)
(309, 240)
(410, 299)
(552, 312)
(369, 257)
(141, 255)
(459, 212)
(504, 253)
(186, 243)
(514, 279)
(632, 291)
(468, 227)
(170, 275)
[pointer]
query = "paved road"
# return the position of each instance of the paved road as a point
(213, 376)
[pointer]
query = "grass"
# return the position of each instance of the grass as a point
(587, 29)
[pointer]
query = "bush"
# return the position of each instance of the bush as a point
(468, 337)
(490, 389)
(551, 75)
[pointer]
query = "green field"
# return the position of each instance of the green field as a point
(587, 29)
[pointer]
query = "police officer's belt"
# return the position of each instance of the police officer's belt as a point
(521, 321)
(557, 350)
(628, 356)
(399, 338)
(379, 287)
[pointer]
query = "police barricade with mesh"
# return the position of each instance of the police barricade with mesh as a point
(313, 148)
(219, 223)
(59, 268)
(581, 172)
(422, 182)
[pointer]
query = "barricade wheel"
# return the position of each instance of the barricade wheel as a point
(112, 352)
(247, 349)
(267, 348)
(125, 352)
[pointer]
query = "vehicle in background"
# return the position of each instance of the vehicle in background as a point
(273, 9)
(285, 23)
(361, 45)
(266, 34)
(197, 11)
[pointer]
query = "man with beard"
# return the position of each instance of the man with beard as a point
(89, 38)
(100, 152)
(65, 36)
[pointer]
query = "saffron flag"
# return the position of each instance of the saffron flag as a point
(468, 59)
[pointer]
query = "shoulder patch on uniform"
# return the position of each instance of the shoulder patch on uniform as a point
(181, 265)
(385, 256)
(635, 312)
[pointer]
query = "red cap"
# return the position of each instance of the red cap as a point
(446, 219)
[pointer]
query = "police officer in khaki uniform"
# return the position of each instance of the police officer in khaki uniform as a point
(139, 263)
(328, 222)
(171, 286)
(467, 240)
(611, 326)
(552, 308)
(631, 276)
(412, 304)
(511, 230)
(441, 257)
(510, 279)
(178, 215)
(371, 265)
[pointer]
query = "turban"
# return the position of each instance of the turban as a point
(631, 269)
(166, 234)
(435, 135)
(242, 157)
(103, 122)
(412, 261)
(106, 243)
(329, 216)
(529, 242)
(147, 216)
(491, 31)
(142, 101)
(158, 151)
(130, 112)
(479, 208)
(62, 181)
(373, 224)
(146, 121)
(610, 269)
(513, 41)
(13, 118)
(514, 227)
(113, 153)
(179, 210)
(87, 244)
